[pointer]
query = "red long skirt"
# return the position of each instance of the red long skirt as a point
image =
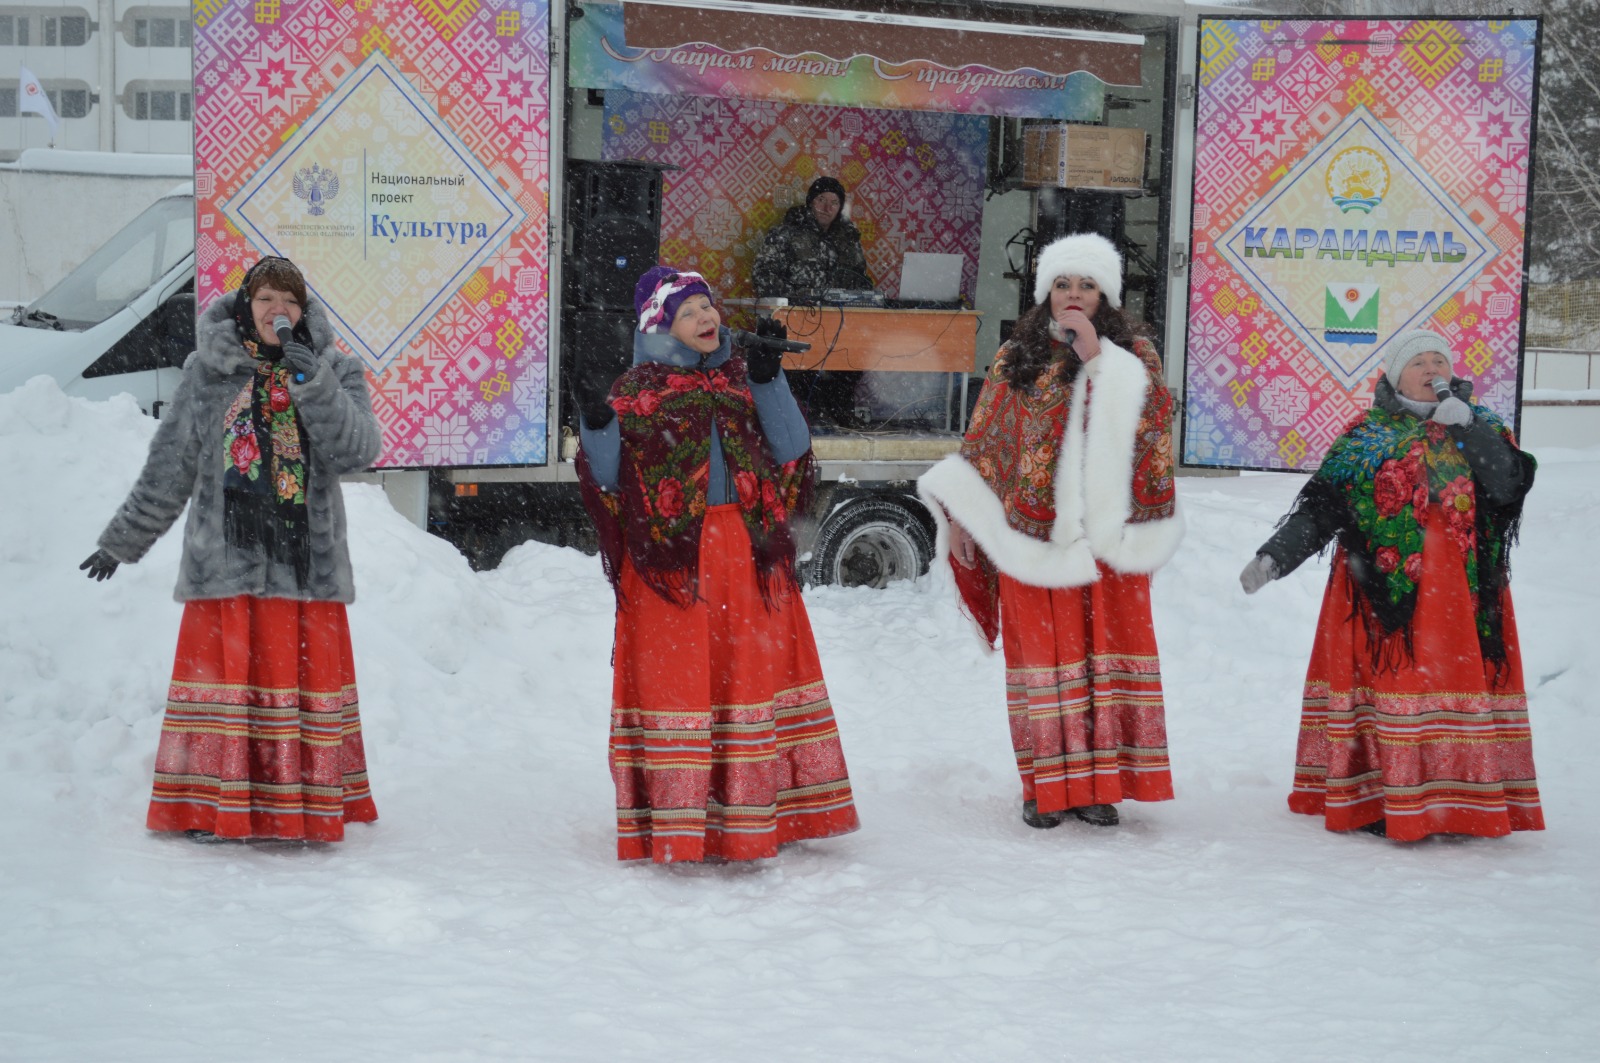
(1438, 746)
(723, 742)
(1083, 690)
(262, 735)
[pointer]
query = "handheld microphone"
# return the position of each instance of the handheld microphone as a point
(285, 331)
(1071, 336)
(1441, 388)
(771, 343)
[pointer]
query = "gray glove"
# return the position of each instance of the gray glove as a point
(100, 565)
(1261, 571)
(302, 361)
(1453, 411)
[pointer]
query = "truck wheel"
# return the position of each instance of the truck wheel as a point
(870, 543)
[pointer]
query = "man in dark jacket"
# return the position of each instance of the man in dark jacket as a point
(814, 247)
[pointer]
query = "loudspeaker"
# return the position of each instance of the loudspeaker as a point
(613, 231)
(596, 347)
(1060, 211)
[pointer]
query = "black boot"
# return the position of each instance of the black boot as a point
(1098, 815)
(1042, 820)
(1380, 827)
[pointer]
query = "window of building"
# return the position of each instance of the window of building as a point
(160, 27)
(14, 30)
(69, 103)
(70, 100)
(65, 31)
(53, 27)
(163, 105)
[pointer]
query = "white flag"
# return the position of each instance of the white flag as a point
(31, 97)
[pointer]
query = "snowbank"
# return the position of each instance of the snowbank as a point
(484, 917)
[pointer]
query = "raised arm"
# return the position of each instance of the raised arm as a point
(337, 414)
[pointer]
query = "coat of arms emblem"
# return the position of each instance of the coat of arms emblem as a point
(316, 186)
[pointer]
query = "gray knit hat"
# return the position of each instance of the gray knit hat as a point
(1408, 345)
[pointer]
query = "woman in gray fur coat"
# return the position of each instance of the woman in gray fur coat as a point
(262, 734)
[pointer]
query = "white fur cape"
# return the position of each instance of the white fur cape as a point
(1094, 491)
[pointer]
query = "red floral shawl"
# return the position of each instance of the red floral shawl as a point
(1014, 440)
(653, 518)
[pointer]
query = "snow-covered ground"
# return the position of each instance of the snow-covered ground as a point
(484, 917)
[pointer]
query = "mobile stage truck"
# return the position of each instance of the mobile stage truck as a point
(474, 188)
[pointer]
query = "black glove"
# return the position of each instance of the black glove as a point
(100, 565)
(591, 392)
(302, 361)
(764, 362)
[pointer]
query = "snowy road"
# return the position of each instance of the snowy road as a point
(484, 917)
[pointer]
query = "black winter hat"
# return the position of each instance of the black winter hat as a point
(825, 184)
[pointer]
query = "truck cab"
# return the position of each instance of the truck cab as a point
(122, 321)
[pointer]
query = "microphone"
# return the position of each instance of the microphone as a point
(771, 343)
(1071, 335)
(1441, 388)
(285, 331)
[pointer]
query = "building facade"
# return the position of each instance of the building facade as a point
(117, 73)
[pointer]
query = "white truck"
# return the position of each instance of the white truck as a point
(123, 320)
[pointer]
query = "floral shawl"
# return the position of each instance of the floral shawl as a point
(1377, 480)
(666, 415)
(1060, 477)
(1015, 436)
(264, 466)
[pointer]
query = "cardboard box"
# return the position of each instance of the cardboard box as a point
(1083, 156)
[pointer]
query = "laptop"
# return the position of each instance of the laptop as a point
(930, 278)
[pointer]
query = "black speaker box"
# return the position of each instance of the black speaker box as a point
(613, 231)
(1060, 211)
(596, 347)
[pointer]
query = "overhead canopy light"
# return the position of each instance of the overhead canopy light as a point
(892, 32)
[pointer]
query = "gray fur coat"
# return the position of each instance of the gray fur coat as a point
(186, 464)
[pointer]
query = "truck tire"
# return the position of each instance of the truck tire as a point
(871, 542)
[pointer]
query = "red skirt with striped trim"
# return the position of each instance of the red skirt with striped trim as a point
(262, 735)
(1439, 746)
(1083, 691)
(723, 743)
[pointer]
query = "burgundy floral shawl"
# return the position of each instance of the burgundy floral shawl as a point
(653, 518)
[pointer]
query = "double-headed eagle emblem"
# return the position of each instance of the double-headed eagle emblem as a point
(316, 186)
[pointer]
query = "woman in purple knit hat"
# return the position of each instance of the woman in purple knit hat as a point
(723, 744)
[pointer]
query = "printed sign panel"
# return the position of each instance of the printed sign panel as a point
(399, 155)
(1353, 180)
(601, 59)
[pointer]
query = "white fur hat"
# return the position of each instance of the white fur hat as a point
(1080, 255)
(1408, 345)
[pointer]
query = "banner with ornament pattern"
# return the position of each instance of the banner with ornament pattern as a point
(398, 153)
(915, 179)
(1353, 180)
(599, 58)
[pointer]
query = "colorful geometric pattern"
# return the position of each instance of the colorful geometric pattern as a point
(915, 179)
(1382, 138)
(600, 59)
(470, 386)
(421, 241)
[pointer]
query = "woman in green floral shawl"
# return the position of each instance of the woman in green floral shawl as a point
(1415, 717)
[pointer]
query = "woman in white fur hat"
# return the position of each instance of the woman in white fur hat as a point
(1414, 719)
(1054, 514)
